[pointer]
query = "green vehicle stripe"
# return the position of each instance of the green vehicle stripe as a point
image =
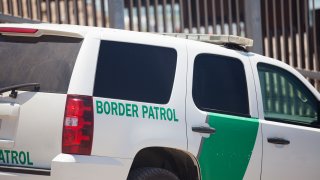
(226, 154)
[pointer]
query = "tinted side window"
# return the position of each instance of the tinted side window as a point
(219, 85)
(285, 97)
(48, 60)
(135, 72)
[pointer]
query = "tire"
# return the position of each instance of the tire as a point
(149, 173)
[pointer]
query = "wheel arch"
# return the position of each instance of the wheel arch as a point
(179, 162)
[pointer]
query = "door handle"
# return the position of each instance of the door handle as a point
(278, 141)
(204, 129)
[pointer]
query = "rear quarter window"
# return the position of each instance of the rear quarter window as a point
(48, 60)
(135, 72)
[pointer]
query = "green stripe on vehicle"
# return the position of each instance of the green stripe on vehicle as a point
(226, 154)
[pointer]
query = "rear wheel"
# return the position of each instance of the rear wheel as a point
(152, 174)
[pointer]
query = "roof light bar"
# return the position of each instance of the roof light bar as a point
(215, 39)
(17, 30)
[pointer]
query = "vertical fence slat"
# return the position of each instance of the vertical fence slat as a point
(205, 6)
(300, 59)
(94, 12)
(275, 33)
(29, 9)
(39, 12)
(230, 16)
(189, 16)
(10, 7)
(292, 37)
(306, 22)
(238, 18)
(173, 16)
(148, 14)
(269, 40)
(314, 28)
(284, 33)
(222, 16)
(181, 16)
(214, 17)
(66, 9)
(76, 11)
(156, 18)
(198, 16)
(138, 6)
(253, 24)
(1, 7)
(315, 46)
(263, 28)
(20, 10)
(48, 9)
(58, 13)
(277, 53)
(103, 14)
(164, 14)
(130, 11)
(85, 12)
(116, 14)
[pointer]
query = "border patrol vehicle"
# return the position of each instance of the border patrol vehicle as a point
(94, 103)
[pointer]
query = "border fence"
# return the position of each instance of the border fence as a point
(282, 29)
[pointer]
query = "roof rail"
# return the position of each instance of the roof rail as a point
(214, 39)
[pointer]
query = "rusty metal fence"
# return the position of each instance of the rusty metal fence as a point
(290, 34)
(190, 16)
(81, 12)
(288, 28)
(187, 16)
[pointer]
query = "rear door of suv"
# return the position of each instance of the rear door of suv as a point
(222, 124)
(31, 122)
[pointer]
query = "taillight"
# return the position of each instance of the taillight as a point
(17, 30)
(78, 125)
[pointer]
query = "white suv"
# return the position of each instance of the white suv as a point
(94, 103)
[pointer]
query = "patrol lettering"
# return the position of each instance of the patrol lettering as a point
(133, 110)
(15, 157)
